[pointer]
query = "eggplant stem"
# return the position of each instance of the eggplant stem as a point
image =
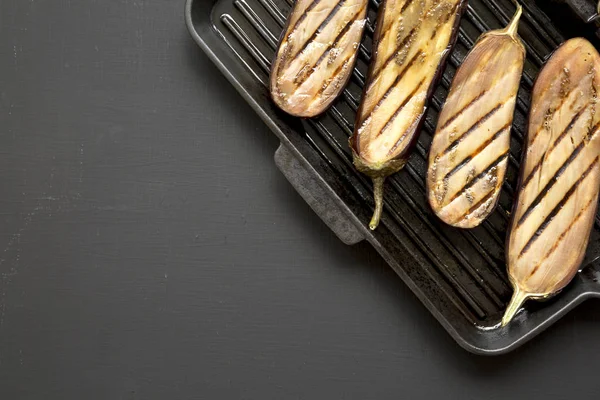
(513, 26)
(378, 196)
(519, 297)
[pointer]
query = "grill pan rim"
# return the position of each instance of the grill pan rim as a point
(578, 291)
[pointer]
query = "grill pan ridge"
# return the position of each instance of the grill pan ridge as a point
(459, 275)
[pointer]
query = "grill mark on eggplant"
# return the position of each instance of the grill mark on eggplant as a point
(399, 109)
(557, 208)
(562, 236)
(595, 129)
(394, 53)
(302, 18)
(473, 127)
(405, 6)
(554, 179)
(567, 129)
(491, 139)
(461, 111)
(443, 21)
(543, 93)
(554, 144)
(334, 76)
(550, 184)
(458, 167)
(491, 193)
(532, 174)
(320, 29)
(385, 29)
(395, 83)
(326, 53)
(551, 113)
(414, 121)
(482, 175)
(479, 149)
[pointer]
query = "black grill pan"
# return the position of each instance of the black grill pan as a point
(458, 275)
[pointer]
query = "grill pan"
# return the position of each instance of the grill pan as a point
(459, 275)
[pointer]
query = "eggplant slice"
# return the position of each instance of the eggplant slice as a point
(560, 176)
(316, 54)
(411, 42)
(469, 151)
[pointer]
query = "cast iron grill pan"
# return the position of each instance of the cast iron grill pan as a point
(460, 275)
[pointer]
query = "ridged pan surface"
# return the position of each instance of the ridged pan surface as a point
(459, 275)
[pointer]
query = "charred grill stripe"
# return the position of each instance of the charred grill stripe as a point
(303, 17)
(410, 129)
(405, 6)
(491, 193)
(399, 109)
(334, 76)
(562, 236)
(483, 200)
(550, 184)
(324, 24)
(299, 81)
(568, 128)
(331, 15)
(554, 111)
(458, 167)
(286, 58)
(473, 127)
(547, 88)
(461, 111)
(594, 130)
(467, 159)
(393, 54)
(557, 209)
(493, 138)
(385, 29)
(444, 20)
(482, 175)
(395, 83)
(533, 172)
(554, 144)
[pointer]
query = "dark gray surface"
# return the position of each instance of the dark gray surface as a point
(150, 249)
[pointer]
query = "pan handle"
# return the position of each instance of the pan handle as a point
(317, 196)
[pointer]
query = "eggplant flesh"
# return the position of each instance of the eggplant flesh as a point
(411, 43)
(560, 176)
(470, 147)
(316, 54)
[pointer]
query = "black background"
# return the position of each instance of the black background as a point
(149, 248)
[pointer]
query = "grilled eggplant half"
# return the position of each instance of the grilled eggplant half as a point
(560, 176)
(316, 54)
(469, 151)
(412, 41)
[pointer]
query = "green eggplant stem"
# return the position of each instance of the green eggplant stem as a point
(512, 27)
(518, 298)
(378, 196)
